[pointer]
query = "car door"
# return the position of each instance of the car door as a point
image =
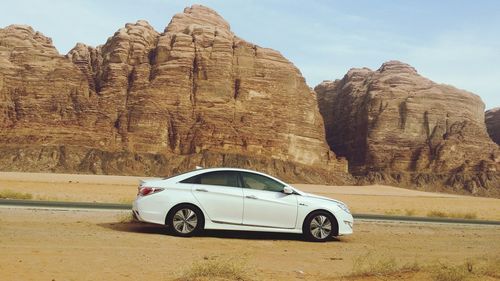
(265, 204)
(220, 195)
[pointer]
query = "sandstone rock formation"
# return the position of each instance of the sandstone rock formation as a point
(152, 103)
(492, 119)
(397, 127)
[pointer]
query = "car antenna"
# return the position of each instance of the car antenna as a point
(199, 167)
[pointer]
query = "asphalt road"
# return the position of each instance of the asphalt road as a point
(112, 206)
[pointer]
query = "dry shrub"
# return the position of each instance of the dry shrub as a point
(392, 212)
(470, 270)
(367, 266)
(437, 214)
(52, 198)
(371, 267)
(125, 200)
(469, 216)
(410, 212)
(399, 212)
(450, 273)
(440, 214)
(9, 194)
(126, 218)
(216, 269)
(491, 268)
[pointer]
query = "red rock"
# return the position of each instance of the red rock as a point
(152, 104)
(492, 119)
(397, 127)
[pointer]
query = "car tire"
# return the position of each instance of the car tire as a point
(185, 220)
(320, 226)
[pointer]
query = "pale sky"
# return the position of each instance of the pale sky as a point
(454, 42)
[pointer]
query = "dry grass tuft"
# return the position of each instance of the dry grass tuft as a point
(52, 198)
(440, 214)
(490, 268)
(370, 267)
(450, 273)
(125, 200)
(216, 269)
(392, 212)
(399, 212)
(437, 214)
(469, 216)
(126, 218)
(469, 270)
(9, 194)
(367, 266)
(410, 212)
(432, 214)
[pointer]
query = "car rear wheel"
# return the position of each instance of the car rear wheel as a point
(185, 220)
(319, 226)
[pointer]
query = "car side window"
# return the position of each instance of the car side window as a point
(259, 182)
(222, 178)
(195, 179)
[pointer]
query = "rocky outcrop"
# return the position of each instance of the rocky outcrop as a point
(492, 119)
(397, 127)
(153, 103)
(43, 95)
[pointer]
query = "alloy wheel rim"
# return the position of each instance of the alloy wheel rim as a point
(320, 227)
(185, 221)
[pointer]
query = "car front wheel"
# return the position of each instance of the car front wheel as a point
(319, 226)
(185, 220)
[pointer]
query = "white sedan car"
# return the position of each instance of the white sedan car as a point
(238, 199)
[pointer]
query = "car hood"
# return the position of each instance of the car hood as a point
(310, 195)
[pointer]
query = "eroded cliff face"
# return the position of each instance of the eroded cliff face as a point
(156, 103)
(395, 126)
(492, 119)
(39, 89)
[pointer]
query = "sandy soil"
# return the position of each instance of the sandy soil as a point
(375, 199)
(94, 245)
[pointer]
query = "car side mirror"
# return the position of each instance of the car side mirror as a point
(287, 190)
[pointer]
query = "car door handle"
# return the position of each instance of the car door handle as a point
(201, 190)
(251, 197)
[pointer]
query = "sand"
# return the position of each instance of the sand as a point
(39, 244)
(374, 199)
(94, 245)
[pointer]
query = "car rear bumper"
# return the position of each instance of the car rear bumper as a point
(135, 215)
(146, 210)
(135, 212)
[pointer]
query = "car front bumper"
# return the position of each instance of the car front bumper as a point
(346, 224)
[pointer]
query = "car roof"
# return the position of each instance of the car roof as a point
(227, 169)
(195, 172)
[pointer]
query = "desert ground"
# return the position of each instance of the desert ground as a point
(42, 244)
(375, 199)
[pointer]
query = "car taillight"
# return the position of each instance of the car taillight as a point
(144, 190)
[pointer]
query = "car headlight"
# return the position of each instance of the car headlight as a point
(344, 207)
